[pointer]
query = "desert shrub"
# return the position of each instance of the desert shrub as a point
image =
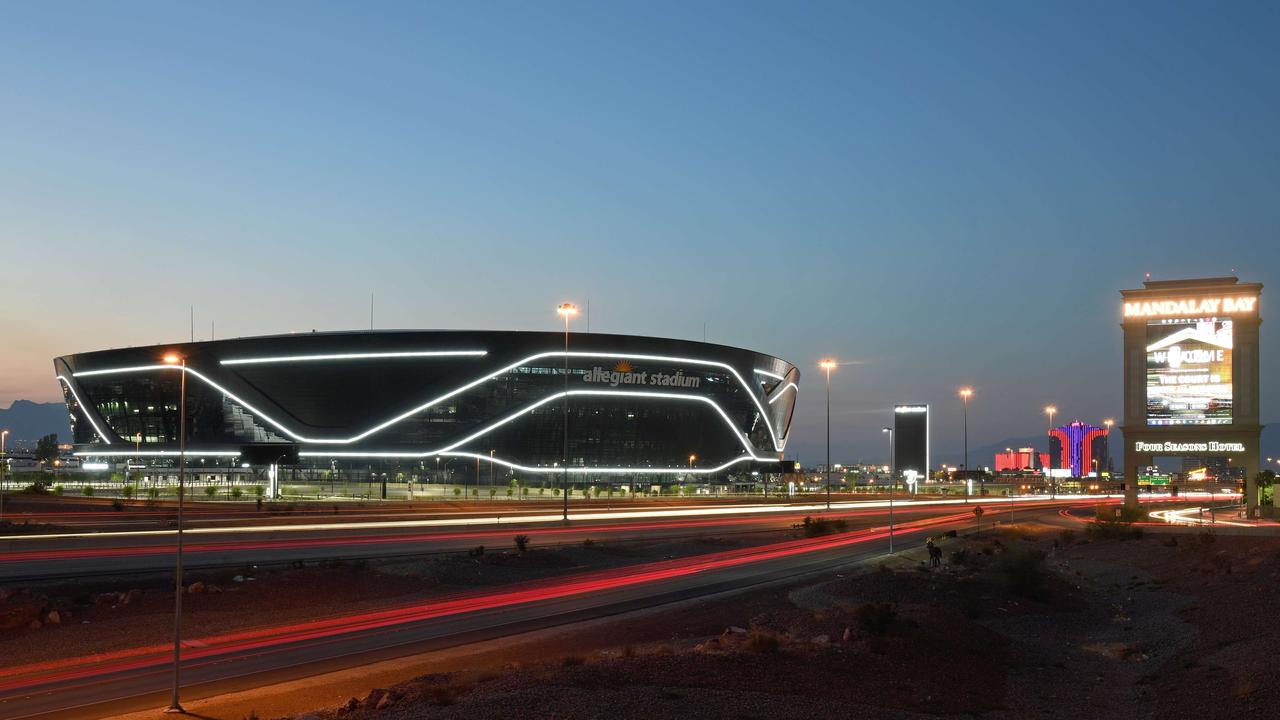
(127, 491)
(874, 618)
(57, 489)
(1129, 515)
(476, 551)
(258, 490)
(1112, 530)
(761, 641)
(588, 543)
(457, 491)
(236, 492)
(1025, 572)
(823, 526)
(522, 542)
(153, 492)
(87, 491)
(210, 491)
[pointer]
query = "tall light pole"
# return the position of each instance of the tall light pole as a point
(828, 366)
(893, 482)
(1051, 410)
(175, 706)
(1107, 424)
(965, 394)
(566, 311)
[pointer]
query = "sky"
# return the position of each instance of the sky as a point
(938, 194)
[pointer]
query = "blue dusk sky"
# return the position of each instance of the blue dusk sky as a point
(941, 194)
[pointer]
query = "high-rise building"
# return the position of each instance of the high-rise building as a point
(1079, 447)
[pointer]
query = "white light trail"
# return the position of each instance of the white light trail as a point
(549, 518)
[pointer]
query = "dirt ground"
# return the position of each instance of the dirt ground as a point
(1020, 623)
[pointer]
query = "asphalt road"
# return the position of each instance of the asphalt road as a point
(215, 543)
(138, 679)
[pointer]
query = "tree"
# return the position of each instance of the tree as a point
(47, 448)
(1266, 484)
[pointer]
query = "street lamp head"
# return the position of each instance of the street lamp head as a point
(567, 309)
(172, 358)
(1050, 409)
(1108, 422)
(885, 429)
(827, 365)
(692, 458)
(966, 392)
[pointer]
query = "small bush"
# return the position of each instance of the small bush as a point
(153, 492)
(823, 526)
(875, 618)
(522, 542)
(87, 491)
(236, 492)
(457, 491)
(57, 490)
(476, 551)
(1112, 530)
(210, 491)
(258, 490)
(761, 641)
(127, 491)
(588, 543)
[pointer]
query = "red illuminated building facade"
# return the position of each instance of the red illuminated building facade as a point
(1020, 459)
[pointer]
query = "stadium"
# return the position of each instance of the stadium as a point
(396, 401)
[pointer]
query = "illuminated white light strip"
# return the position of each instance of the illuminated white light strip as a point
(531, 519)
(544, 470)
(778, 394)
(627, 393)
(778, 443)
(157, 453)
(773, 375)
(449, 450)
(85, 410)
(356, 356)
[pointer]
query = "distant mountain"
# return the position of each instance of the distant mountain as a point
(27, 422)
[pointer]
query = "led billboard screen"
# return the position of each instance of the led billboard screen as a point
(911, 438)
(1189, 372)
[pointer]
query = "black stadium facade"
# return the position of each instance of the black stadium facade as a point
(637, 406)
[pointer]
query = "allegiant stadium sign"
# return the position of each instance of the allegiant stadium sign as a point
(1188, 447)
(614, 378)
(1191, 307)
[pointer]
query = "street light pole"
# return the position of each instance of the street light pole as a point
(175, 706)
(566, 310)
(893, 483)
(828, 366)
(1050, 410)
(965, 393)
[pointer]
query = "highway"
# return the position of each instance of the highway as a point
(215, 542)
(137, 678)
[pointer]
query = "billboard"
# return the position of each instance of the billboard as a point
(1189, 372)
(911, 439)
